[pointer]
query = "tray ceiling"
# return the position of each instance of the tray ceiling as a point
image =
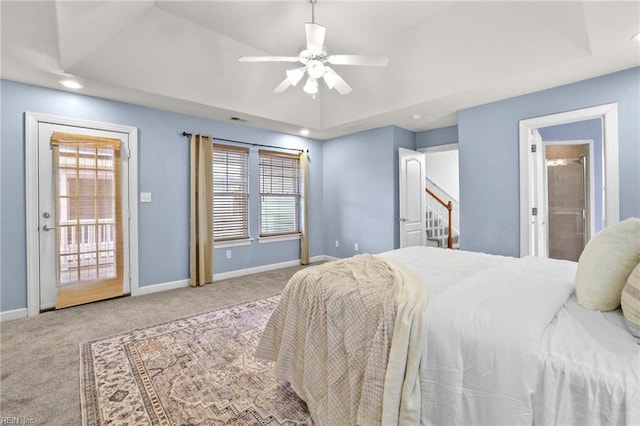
(444, 56)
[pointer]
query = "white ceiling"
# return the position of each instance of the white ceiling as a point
(444, 56)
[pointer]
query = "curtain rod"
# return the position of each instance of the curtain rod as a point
(251, 143)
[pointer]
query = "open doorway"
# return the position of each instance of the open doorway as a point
(534, 210)
(570, 197)
(443, 187)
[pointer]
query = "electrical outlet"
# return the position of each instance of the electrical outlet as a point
(145, 197)
(337, 243)
(355, 247)
(228, 254)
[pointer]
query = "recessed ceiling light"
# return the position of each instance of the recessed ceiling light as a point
(636, 37)
(415, 116)
(71, 84)
(304, 132)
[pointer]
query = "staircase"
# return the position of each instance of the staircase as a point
(442, 218)
(438, 231)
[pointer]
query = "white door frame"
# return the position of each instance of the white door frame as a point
(440, 148)
(32, 121)
(609, 115)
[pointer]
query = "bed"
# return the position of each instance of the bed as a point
(477, 339)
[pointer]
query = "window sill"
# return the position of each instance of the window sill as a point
(279, 238)
(233, 243)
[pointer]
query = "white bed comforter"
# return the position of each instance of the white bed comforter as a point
(505, 344)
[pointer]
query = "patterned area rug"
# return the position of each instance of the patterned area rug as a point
(198, 370)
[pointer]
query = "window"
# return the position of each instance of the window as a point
(230, 193)
(280, 190)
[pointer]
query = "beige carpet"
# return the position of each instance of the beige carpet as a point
(39, 356)
(198, 370)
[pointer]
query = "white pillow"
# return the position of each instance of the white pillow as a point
(630, 302)
(605, 265)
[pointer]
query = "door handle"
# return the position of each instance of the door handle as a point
(46, 228)
(402, 219)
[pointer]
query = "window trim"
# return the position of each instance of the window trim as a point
(234, 243)
(280, 238)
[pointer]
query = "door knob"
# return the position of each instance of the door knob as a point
(46, 228)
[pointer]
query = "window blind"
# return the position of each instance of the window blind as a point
(280, 191)
(230, 193)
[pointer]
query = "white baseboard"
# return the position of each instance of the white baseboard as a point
(154, 288)
(328, 258)
(13, 314)
(322, 257)
(263, 268)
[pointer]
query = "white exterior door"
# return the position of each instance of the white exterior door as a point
(83, 210)
(412, 198)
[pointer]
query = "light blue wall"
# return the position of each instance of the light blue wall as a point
(488, 144)
(353, 179)
(587, 130)
(359, 192)
(436, 137)
(163, 170)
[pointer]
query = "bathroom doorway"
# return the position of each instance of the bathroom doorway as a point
(570, 197)
(534, 232)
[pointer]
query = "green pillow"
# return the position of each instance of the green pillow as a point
(605, 265)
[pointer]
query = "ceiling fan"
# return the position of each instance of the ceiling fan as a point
(316, 62)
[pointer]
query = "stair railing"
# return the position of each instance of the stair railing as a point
(449, 207)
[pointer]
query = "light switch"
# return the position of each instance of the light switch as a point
(145, 197)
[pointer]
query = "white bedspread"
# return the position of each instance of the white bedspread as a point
(591, 364)
(506, 344)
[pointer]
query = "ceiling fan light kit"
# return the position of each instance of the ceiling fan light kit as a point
(311, 86)
(314, 60)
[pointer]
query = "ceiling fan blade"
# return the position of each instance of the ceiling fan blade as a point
(315, 37)
(334, 81)
(295, 75)
(368, 60)
(268, 59)
(282, 86)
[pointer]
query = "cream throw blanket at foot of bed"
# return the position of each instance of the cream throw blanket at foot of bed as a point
(347, 335)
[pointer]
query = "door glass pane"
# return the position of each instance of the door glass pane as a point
(88, 205)
(68, 239)
(107, 265)
(68, 269)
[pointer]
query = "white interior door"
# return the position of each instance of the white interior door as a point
(413, 200)
(83, 210)
(539, 213)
